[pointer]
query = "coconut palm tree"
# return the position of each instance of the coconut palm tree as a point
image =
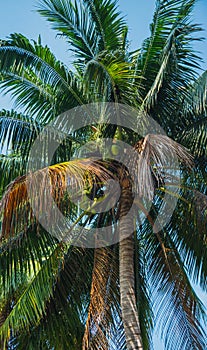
(57, 295)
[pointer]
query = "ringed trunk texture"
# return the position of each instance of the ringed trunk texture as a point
(126, 271)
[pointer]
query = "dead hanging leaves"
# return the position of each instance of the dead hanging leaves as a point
(65, 181)
(55, 181)
(158, 157)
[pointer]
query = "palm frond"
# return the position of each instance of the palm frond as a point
(173, 291)
(71, 19)
(193, 133)
(22, 256)
(30, 307)
(171, 21)
(37, 81)
(196, 100)
(156, 154)
(67, 307)
(17, 132)
(190, 235)
(11, 166)
(109, 25)
(111, 78)
(194, 136)
(104, 300)
(78, 175)
(89, 26)
(54, 295)
(167, 63)
(143, 296)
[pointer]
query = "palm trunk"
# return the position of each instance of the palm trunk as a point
(126, 272)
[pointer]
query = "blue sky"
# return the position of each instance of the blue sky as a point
(20, 16)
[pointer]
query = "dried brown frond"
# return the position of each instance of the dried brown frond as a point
(105, 276)
(36, 189)
(158, 158)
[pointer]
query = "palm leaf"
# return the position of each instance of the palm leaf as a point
(11, 166)
(23, 255)
(156, 154)
(38, 82)
(167, 63)
(104, 300)
(143, 296)
(111, 78)
(196, 100)
(67, 307)
(70, 18)
(30, 307)
(52, 181)
(170, 20)
(190, 235)
(109, 25)
(194, 136)
(173, 291)
(17, 132)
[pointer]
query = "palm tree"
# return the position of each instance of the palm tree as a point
(61, 296)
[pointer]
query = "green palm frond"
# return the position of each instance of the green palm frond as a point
(111, 78)
(38, 82)
(143, 296)
(56, 295)
(173, 291)
(193, 133)
(109, 25)
(17, 132)
(66, 310)
(171, 22)
(194, 136)
(167, 63)
(196, 100)
(30, 306)
(190, 235)
(11, 166)
(187, 226)
(71, 19)
(89, 26)
(66, 307)
(23, 255)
